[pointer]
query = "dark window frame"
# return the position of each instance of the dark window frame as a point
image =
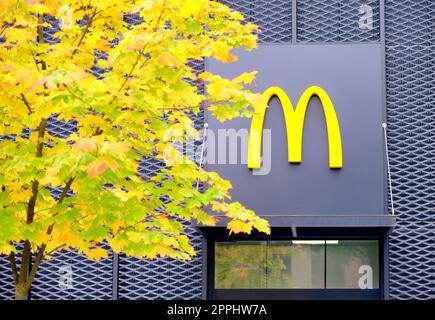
(289, 294)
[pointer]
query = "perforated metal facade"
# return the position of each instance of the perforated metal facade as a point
(274, 18)
(410, 98)
(69, 275)
(410, 70)
(164, 278)
(336, 21)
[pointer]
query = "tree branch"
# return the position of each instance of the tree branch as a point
(41, 133)
(40, 31)
(35, 60)
(141, 52)
(66, 189)
(62, 197)
(35, 267)
(85, 31)
(25, 261)
(74, 95)
(129, 74)
(5, 24)
(13, 264)
(26, 102)
(32, 202)
(35, 183)
(179, 108)
(23, 279)
(55, 249)
(98, 131)
(41, 251)
(160, 17)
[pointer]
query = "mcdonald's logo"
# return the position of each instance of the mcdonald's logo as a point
(294, 120)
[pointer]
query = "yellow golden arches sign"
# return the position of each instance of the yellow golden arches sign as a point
(294, 120)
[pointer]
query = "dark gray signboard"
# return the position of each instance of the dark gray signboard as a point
(352, 77)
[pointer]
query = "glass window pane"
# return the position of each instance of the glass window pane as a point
(352, 264)
(295, 265)
(240, 264)
(269, 264)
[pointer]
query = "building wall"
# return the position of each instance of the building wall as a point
(410, 101)
(410, 66)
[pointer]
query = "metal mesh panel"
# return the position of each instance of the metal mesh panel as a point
(243, 6)
(6, 280)
(162, 278)
(410, 66)
(69, 275)
(133, 19)
(273, 17)
(337, 20)
(412, 261)
(48, 32)
(7, 290)
(166, 278)
(60, 128)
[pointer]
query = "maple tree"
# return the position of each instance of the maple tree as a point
(148, 90)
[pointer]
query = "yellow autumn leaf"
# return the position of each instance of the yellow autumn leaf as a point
(134, 236)
(246, 78)
(238, 226)
(117, 225)
(6, 248)
(86, 144)
(20, 196)
(262, 225)
(222, 53)
(99, 165)
(97, 254)
(102, 45)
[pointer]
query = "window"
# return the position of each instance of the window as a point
(304, 264)
(352, 265)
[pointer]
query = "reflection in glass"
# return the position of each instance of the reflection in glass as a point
(352, 264)
(269, 264)
(240, 264)
(301, 264)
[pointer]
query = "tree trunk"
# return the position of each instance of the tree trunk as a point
(21, 293)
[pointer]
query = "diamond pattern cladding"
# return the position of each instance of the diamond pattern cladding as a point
(410, 70)
(337, 20)
(7, 291)
(412, 256)
(6, 280)
(71, 276)
(273, 17)
(165, 278)
(162, 278)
